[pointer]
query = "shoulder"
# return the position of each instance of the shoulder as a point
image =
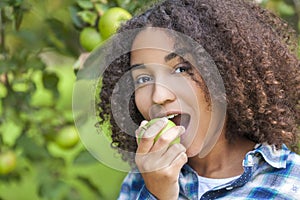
(281, 159)
(293, 158)
(277, 174)
(293, 164)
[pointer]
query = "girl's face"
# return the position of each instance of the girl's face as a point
(164, 87)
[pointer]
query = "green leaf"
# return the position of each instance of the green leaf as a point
(87, 16)
(31, 149)
(77, 21)
(50, 82)
(101, 8)
(84, 157)
(10, 132)
(85, 4)
(123, 3)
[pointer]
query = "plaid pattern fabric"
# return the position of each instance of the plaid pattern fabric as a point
(269, 173)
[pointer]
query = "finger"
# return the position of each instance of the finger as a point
(159, 160)
(179, 161)
(173, 170)
(143, 123)
(147, 141)
(174, 151)
(150, 161)
(167, 137)
(140, 131)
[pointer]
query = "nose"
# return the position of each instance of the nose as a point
(162, 94)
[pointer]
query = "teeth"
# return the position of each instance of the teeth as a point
(172, 116)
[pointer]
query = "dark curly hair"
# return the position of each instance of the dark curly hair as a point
(255, 53)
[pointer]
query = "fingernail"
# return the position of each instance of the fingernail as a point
(144, 122)
(164, 119)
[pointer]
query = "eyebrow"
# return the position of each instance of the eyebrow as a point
(177, 53)
(136, 66)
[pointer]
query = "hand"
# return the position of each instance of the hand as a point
(160, 163)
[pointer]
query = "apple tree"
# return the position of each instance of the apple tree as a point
(41, 155)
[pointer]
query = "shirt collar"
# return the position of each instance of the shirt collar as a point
(276, 157)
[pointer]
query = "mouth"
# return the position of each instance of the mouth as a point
(180, 119)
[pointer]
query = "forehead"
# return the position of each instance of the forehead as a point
(152, 38)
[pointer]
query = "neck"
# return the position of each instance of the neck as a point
(224, 160)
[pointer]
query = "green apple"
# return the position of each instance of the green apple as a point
(90, 38)
(169, 125)
(7, 162)
(67, 137)
(111, 20)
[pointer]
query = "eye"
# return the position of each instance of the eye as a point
(142, 79)
(182, 67)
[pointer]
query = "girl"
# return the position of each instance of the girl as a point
(244, 151)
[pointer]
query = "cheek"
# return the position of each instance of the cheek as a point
(192, 93)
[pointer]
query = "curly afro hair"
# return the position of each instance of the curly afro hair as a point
(255, 53)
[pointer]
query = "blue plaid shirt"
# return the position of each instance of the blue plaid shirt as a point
(268, 174)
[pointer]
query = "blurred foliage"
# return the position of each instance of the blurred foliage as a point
(38, 139)
(289, 10)
(39, 43)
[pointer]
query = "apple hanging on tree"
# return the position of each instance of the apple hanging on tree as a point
(7, 162)
(67, 137)
(111, 20)
(90, 38)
